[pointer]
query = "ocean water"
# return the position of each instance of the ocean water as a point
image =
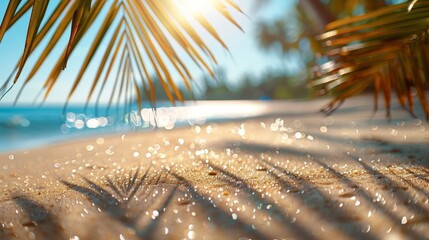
(24, 127)
(29, 127)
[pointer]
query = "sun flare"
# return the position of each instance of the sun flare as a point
(194, 7)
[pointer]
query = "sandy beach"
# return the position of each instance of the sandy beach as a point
(293, 175)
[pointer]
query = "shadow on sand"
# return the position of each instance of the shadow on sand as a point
(368, 205)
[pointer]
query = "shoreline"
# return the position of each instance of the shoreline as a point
(19, 124)
(299, 176)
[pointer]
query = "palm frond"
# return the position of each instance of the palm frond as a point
(7, 18)
(144, 36)
(37, 14)
(385, 50)
(80, 15)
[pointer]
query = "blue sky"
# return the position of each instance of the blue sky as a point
(248, 57)
(245, 57)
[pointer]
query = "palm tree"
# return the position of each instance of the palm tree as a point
(143, 37)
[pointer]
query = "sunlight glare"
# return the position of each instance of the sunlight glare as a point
(194, 7)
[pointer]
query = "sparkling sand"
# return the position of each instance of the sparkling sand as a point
(292, 175)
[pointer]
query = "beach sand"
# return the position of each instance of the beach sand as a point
(295, 175)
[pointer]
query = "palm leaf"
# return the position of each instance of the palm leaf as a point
(384, 50)
(37, 14)
(7, 18)
(20, 12)
(53, 77)
(95, 45)
(53, 41)
(80, 15)
(105, 59)
(148, 34)
(110, 67)
(121, 71)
